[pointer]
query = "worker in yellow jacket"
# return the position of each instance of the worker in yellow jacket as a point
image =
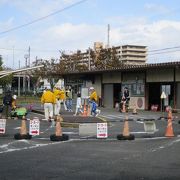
(63, 98)
(48, 99)
(93, 101)
(57, 105)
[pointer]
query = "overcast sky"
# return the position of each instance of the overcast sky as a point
(78, 24)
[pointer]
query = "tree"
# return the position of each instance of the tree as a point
(6, 81)
(49, 71)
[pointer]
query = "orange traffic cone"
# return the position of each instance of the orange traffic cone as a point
(126, 127)
(123, 107)
(59, 136)
(134, 110)
(23, 131)
(88, 111)
(85, 110)
(58, 126)
(169, 129)
(126, 134)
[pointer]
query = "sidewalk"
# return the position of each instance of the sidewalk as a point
(69, 118)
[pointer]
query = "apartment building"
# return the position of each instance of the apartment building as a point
(126, 54)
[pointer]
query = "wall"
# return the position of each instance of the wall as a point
(160, 75)
(111, 77)
(177, 74)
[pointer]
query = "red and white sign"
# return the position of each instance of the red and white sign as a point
(2, 126)
(34, 126)
(102, 131)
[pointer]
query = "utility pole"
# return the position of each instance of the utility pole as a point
(19, 81)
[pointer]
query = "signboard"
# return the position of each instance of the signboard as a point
(163, 95)
(2, 126)
(34, 126)
(102, 130)
(84, 93)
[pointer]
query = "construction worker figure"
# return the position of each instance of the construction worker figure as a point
(57, 105)
(124, 100)
(48, 99)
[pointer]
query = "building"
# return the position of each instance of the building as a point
(126, 54)
(145, 82)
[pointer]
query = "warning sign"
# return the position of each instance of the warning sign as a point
(102, 130)
(34, 126)
(2, 126)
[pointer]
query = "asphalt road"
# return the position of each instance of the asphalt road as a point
(149, 156)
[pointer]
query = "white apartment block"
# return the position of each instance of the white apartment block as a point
(127, 54)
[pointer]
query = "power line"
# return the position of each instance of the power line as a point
(42, 18)
(165, 49)
(164, 52)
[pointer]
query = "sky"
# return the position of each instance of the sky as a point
(49, 27)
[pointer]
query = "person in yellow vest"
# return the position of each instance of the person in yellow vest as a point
(63, 98)
(93, 100)
(48, 99)
(58, 103)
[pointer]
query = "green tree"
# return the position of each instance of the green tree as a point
(7, 80)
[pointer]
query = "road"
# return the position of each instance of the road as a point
(149, 156)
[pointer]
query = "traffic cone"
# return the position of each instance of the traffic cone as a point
(23, 131)
(88, 111)
(169, 129)
(59, 136)
(85, 110)
(123, 107)
(134, 110)
(126, 134)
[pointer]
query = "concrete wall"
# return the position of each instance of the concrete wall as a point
(108, 95)
(133, 76)
(111, 77)
(160, 75)
(177, 73)
(178, 96)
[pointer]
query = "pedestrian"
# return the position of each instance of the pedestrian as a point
(78, 105)
(57, 105)
(48, 99)
(14, 104)
(125, 99)
(92, 100)
(7, 102)
(69, 99)
(63, 98)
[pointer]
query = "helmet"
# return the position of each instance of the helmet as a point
(14, 97)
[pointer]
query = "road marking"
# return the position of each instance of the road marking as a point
(17, 128)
